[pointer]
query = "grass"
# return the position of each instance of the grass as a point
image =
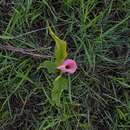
(98, 37)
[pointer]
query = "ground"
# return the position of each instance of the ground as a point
(97, 33)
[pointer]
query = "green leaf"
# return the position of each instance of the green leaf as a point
(6, 37)
(60, 49)
(86, 126)
(60, 84)
(49, 65)
(121, 114)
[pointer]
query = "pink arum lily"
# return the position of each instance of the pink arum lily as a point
(68, 66)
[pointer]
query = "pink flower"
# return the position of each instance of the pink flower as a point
(68, 66)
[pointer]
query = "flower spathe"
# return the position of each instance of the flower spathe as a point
(68, 66)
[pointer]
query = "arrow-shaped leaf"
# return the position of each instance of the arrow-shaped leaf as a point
(60, 84)
(49, 65)
(60, 49)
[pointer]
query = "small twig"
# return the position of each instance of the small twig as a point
(29, 52)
